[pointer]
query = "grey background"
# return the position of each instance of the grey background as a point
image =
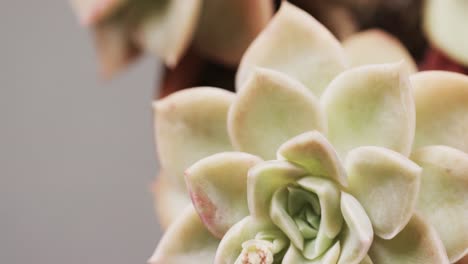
(76, 153)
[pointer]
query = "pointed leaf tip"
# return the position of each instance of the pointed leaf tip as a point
(370, 106)
(386, 184)
(272, 102)
(299, 46)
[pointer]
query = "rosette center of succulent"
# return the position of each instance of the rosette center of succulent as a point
(308, 212)
(265, 248)
(304, 208)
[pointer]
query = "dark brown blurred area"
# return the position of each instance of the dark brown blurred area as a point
(194, 70)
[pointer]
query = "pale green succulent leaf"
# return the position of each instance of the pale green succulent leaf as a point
(445, 24)
(443, 199)
(367, 260)
(417, 243)
(186, 241)
(247, 229)
(313, 152)
(217, 185)
(190, 125)
(294, 256)
(280, 216)
(375, 46)
(386, 184)
(271, 109)
(313, 249)
(329, 196)
(442, 109)
(357, 236)
(296, 44)
(300, 198)
(331, 220)
(307, 231)
(167, 27)
(226, 28)
(370, 106)
(265, 179)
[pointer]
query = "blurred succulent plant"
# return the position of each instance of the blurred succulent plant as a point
(401, 18)
(445, 24)
(348, 162)
(432, 30)
(220, 30)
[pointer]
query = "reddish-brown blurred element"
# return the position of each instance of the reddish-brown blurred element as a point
(434, 59)
(185, 74)
(463, 260)
(192, 71)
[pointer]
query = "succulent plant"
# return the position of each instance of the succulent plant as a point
(220, 30)
(314, 161)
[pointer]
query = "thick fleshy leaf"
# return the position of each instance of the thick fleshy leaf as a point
(376, 46)
(271, 109)
(296, 44)
(313, 152)
(442, 109)
(169, 200)
(264, 179)
(294, 256)
(331, 220)
(417, 243)
(358, 235)
(282, 219)
(92, 11)
(186, 241)
(443, 198)
(248, 228)
(226, 28)
(445, 24)
(167, 27)
(218, 187)
(367, 260)
(329, 197)
(190, 125)
(370, 106)
(386, 184)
